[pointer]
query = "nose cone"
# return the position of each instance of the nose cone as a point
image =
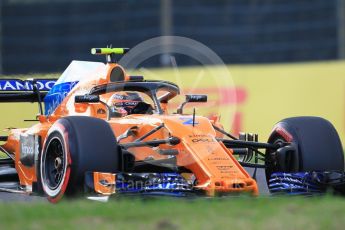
(215, 168)
(219, 186)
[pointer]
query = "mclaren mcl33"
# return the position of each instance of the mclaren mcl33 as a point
(100, 131)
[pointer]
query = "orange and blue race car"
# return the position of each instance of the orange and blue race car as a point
(103, 132)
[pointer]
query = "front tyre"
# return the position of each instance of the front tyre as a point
(76, 145)
(317, 146)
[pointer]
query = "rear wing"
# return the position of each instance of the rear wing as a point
(30, 90)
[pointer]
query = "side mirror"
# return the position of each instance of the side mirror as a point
(86, 98)
(191, 98)
(196, 98)
(83, 100)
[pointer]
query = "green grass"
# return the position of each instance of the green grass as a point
(230, 213)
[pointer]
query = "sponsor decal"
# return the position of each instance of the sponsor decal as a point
(86, 98)
(197, 98)
(217, 158)
(188, 121)
(29, 149)
(118, 97)
(224, 169)
(128, 96)
(126, 103)
(202, 140)
(25, 85)
(198, 135)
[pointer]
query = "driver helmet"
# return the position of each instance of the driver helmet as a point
(124, 102)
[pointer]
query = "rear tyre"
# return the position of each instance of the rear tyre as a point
(317, 143)
(74, 146)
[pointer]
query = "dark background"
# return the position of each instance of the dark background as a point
(44, 36)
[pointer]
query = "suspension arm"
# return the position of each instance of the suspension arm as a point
(247, 144)
(251, 165)
(153, 143)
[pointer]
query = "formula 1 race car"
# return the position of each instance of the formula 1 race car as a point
(103, 132)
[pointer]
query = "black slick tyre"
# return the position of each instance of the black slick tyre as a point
(76, 145)
(316, 141)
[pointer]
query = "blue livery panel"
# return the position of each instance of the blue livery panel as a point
(56, 95)
(307, 183)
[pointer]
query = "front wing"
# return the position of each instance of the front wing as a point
(172, 184)
(307, 183)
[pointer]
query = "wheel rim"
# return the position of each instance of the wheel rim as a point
(271, 161)
(54, 163)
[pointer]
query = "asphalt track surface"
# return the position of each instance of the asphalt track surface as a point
(14, 197)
